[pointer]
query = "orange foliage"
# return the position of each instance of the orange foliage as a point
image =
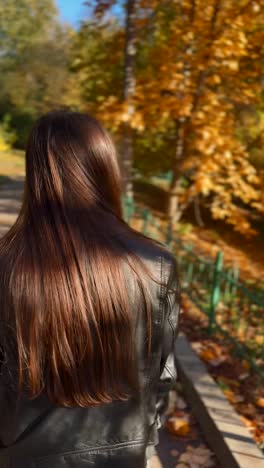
(203, 63)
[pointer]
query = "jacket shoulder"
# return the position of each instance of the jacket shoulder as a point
(157, 256)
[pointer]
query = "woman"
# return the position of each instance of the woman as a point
(89, 311)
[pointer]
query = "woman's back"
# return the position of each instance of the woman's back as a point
(89, 311)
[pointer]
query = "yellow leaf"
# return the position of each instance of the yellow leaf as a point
(260, 402)
(230, 395)
(259, 340)
(245, 364)
(178, 426)
(208, 355)
(174, 453)
(231, 382)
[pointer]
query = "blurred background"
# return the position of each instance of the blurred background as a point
(179, 83)
(180, 86)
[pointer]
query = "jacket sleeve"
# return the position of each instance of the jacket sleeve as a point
(168, 374)
(167, 379)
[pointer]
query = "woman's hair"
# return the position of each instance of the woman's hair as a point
(62, 268)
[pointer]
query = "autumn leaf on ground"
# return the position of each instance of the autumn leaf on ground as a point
(247, 422)
(197, 346)
(174, 453)
(248, 410)
(232, 397)
(260, 403)
(197, 457)
(259, 340)
(243, 376)
(178, 426)
(229, 382)
(216, 362)
(213, 355)
(235, 377)
(208, 355)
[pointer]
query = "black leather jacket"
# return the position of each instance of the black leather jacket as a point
(37, 434)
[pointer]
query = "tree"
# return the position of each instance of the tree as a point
(207, 62)
(97, 70)
(33, 61)
(197, 63)
(128, 85)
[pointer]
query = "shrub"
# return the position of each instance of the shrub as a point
(7, 136)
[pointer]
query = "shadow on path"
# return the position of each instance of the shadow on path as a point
(10, 200)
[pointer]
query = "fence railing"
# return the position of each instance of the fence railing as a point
(234, 307)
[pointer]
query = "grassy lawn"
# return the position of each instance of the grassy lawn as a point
(12, 164)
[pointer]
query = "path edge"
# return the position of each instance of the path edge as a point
(222, 427)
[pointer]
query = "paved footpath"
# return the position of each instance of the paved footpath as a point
(10, 200)
(173, 451)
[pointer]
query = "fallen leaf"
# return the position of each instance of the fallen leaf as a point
(178, 426)
(190, 448)
(260, 402)
(197, 346)
(248, 410)
(216, 362)
(245, 364)
(209, 464)
(259, 340)
(208, 355)
(238, 399)
(203, 451)
(185, 458)
(229, 394)
(197, 457)
(232, 397)
(246, 421)
(200, 459)
(230, 382)
(243, 376)
(174, 453)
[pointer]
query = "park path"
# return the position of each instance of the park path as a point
(10, 201)
(171, 448)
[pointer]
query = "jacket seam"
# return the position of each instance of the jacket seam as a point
(162, 292)
(95, 448)
(158, 322)
(169, 317)
(169, 371)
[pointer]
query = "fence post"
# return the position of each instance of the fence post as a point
(169, 233)
(235, 277)
(146, 218)
(216, 290)
(126, 203)
(130, 208)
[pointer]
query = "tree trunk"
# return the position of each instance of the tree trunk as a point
(126, 160)
(126, 146)
(173, 210)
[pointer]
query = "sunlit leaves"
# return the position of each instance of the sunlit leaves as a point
(198, 64)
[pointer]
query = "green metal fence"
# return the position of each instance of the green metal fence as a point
(234, 307)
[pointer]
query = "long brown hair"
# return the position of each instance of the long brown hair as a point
(63, 287)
